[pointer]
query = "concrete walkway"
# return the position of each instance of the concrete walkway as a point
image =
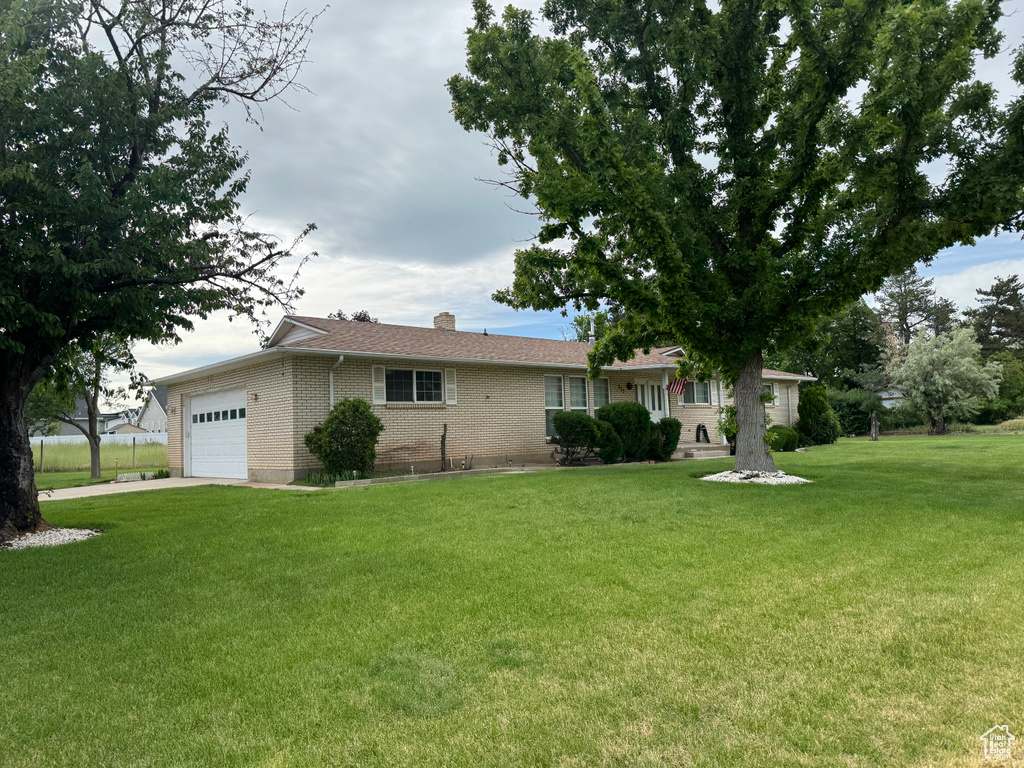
(104, 489)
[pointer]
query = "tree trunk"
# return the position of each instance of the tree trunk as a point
(751, 447)
(19, 500)
(874, 426)
(938, 425)
(93, 409)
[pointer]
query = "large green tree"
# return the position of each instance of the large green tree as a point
(998, 319)
(905, 302)
(118, 199)
(942, 378)
(728, 173)
(841, 351)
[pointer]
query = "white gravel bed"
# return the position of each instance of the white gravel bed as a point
(761, 478)
(51, 538)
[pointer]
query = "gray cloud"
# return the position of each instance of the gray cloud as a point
(374, 157)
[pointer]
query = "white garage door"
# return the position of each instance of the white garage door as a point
(218, 435)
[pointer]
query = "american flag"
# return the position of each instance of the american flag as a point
(676, 386)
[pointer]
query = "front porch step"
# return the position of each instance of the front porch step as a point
(700, 451)
(715, 453)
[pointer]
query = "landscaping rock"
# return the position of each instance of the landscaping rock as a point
(761, 478)
(50, 538)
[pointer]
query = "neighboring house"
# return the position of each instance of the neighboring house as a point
(246, 417)
(891, 398)
(105, 422)
(153, 416)
(126, 428)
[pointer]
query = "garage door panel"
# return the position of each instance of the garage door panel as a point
(218, 435)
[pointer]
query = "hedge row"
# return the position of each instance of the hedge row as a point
(620, 431)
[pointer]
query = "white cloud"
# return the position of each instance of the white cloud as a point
(960, 287)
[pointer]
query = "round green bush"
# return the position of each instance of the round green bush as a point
(818, 423)
(575, 435)
(632, 423)
(609, 445)
(782, 439)
(347, 439)
(853, 408)
(666, 439)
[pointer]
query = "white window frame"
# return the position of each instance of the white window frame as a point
(693, 393)
(586, 395)
(561, 399)
(415, 398)
(771, 386)
(608, 386)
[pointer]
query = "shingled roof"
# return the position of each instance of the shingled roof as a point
(299, 335)
(409, 341)
(347, 336)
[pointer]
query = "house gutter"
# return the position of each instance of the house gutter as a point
(339, 354)
(463, 360)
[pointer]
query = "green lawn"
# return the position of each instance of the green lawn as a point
(628, 616)
(71, 457)
(49, 481)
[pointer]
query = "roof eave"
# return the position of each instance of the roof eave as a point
(209, 370)
(462, 360)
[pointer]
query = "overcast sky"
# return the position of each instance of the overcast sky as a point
(405, 230)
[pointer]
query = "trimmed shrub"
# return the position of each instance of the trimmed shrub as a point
(818, 423)
(609, 445)
(346, 441)
(853, 408)
(575, 435)
(782, 439)
(632, 423)
(900, 417)
(665, 438)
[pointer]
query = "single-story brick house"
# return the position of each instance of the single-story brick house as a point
(246, 417)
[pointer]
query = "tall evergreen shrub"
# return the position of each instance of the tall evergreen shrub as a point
(818, 423)
(665, 439)
(609, 444)
(853, 408)
(632, 423)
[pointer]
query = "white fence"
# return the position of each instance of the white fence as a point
(140, 438)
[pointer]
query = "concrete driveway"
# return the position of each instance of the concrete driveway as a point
(103, 489)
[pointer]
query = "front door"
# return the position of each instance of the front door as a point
(649, 393)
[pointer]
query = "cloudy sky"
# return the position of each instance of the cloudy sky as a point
(405, 229)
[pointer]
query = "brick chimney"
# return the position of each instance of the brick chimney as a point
(444, 321)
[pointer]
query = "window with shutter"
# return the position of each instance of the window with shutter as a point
(450, 391)
(379, 391)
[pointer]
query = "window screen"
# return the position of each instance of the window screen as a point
(697, 392)
(552, 402)
(602, 393)
(398, 386)
(428, 387)
(578, 392)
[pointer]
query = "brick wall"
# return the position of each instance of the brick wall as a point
(500, 412)
(269, 417)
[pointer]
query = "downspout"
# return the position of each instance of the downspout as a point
(330, 382)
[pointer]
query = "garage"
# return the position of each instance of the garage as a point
(217, 435)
